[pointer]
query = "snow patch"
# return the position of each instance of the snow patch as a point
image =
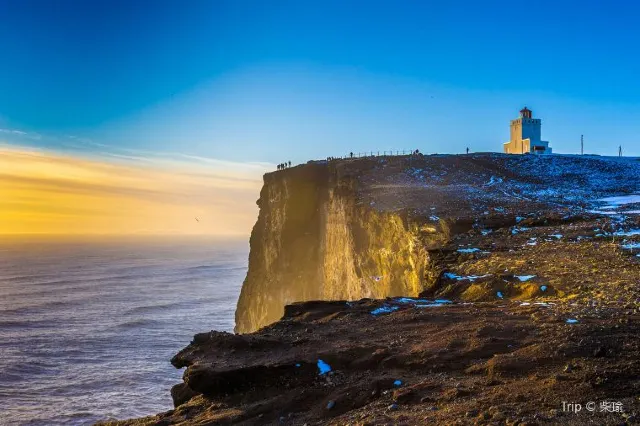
(472, 278)
(323, 367)
(629, 233)
(429, 305)
(493, 181)
(524, 278)
(614, 204)
(621, 200)
(631, 246)
(423, 303)
(384, 310)
(516, 230)
(468, 250)
(609, 213)
(410, 300)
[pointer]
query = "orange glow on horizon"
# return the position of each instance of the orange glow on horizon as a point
(46, 193)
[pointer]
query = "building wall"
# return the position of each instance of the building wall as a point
(516, 130)
(531, 129)
(517, 147)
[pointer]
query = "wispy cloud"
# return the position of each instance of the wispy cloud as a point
(22, 134)
(125, 193)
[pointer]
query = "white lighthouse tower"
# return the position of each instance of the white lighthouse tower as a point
(525, 135)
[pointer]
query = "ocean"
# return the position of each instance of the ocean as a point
(87, 328)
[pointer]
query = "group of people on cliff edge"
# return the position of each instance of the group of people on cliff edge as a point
(284, 165)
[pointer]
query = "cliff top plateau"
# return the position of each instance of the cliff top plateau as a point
(445, 289)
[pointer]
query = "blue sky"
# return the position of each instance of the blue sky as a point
(266, 81)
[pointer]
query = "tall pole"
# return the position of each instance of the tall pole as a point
(581, 144)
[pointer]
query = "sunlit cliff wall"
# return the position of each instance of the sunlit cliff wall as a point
(315, 240)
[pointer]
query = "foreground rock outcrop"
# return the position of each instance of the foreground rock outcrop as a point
(485, 289)
(423, 363)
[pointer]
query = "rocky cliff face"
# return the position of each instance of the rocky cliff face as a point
(381, 227)
(315, 239)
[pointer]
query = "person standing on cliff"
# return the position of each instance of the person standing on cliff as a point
(467, 150)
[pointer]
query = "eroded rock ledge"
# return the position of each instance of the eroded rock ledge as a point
(422, 363)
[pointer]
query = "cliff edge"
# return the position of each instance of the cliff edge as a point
(381, 226)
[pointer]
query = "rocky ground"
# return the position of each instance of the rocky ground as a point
(536, 306)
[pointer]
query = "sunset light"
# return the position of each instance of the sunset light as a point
(48, 193)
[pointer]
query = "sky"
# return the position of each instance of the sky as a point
(141, 88)
(48, 193)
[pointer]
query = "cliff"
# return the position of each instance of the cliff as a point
(527, 276)
(314, 240)
(381, 227)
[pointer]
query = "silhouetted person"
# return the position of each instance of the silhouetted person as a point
(467, 150)
(351, 154)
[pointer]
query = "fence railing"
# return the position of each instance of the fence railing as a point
(389, 153)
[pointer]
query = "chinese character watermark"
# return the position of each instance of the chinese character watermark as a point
(611, 407)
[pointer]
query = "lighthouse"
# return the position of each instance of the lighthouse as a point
(525, 135)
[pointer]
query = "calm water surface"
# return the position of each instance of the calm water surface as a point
(87, 328)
